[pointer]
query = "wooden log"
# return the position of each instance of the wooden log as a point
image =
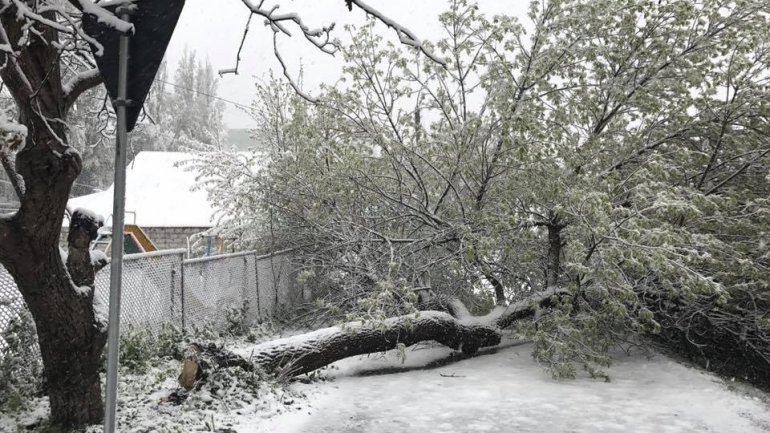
(304, 353)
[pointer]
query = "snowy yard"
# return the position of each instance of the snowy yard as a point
(437, 390)
(506, 391)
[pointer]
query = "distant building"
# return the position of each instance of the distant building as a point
(160, 200)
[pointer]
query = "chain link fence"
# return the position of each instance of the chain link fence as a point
(162, 288)
(11, 304)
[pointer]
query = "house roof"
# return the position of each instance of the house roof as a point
(158, 192)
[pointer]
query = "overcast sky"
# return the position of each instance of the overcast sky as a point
(214, 29)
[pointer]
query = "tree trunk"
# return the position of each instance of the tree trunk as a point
(71, 338)
(304, 353)
(307, 352)
(70, 335)
(555, 244)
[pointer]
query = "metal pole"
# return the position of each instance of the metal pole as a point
(118, 217)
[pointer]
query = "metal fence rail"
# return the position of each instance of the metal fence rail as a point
(163, 288)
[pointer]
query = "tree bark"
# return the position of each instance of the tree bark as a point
(554, 225)
(70, 336)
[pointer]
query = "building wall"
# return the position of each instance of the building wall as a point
(166, 238)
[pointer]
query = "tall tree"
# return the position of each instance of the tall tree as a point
(617, 151)
(42, 64)
(199, 113)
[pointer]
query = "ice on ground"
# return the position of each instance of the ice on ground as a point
(507, 391)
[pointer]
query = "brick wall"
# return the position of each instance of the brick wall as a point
(166, 238)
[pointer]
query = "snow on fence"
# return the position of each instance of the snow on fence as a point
(162, 288)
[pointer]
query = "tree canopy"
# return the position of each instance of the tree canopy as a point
(618, 150)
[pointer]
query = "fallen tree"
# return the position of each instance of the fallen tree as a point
(304, 353)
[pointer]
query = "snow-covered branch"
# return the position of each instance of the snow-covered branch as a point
(304, 353)
(104, 16)
(23, 85)
(320, 37)
(277, 22)
(79, 84)
(406, 36)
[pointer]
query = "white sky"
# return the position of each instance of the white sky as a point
(214, 29)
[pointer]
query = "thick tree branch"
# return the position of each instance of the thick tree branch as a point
(103, 15)
(304, 353)
(12, 73)
(80, 83)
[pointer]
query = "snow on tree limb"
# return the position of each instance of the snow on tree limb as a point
(12, 137)
(304, 353)
(294, 85)
(104, 16)
(79, 84)
(234, 70)
(319, 37)
(24, 85)
(404, 35)
(23, 11)
(300, 354)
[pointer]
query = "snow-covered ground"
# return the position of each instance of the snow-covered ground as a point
(507, 391)
(499, 390)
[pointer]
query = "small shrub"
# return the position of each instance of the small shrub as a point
(136, 349)
(237, 320)
(141, 348)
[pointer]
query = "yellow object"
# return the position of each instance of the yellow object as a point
(140, 236)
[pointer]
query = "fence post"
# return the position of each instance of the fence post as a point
(171, 293)
(256, 284)
(275, 283)
(245, 281)
(181, 292)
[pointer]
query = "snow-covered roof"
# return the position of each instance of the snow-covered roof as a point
(158, 192)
